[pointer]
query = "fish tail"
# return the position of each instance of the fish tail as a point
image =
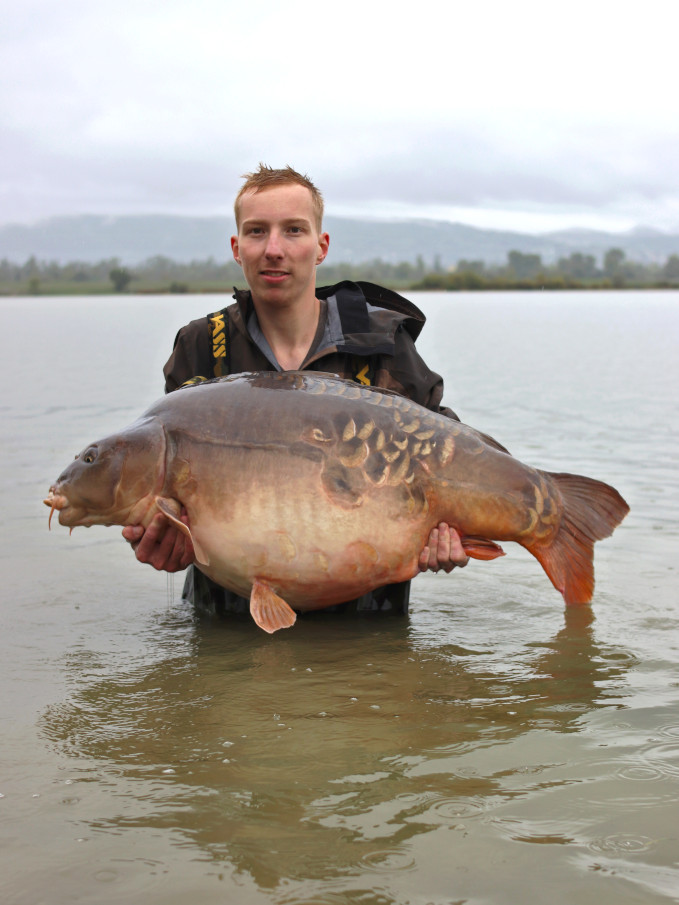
(591, 512)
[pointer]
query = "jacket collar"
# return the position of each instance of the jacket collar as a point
(355, 301)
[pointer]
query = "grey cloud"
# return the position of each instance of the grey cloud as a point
(464, 169)
(467, 166)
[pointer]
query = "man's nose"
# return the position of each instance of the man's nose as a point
(274, 248)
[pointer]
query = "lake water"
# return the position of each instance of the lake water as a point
(490, 748)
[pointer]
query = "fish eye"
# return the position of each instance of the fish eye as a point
(89, 456)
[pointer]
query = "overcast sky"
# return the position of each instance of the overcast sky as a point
(513, 115)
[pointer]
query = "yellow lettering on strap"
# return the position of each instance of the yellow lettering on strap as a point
(362, 376)
(218, 338)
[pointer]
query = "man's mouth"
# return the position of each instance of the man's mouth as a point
(274, 274)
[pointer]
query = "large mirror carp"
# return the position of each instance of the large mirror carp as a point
(303, 490)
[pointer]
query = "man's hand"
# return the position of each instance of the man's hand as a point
(162, 545)
(444, 550)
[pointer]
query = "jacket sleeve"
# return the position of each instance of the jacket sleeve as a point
(190, 356)
(406, 373)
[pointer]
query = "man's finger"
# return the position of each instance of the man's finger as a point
(423, 561)
(133, 534)
(147, 550)
(443, 548)
(457, 552)
(181, 555)
(433, 545)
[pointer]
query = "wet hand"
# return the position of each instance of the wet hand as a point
(161, 545)
(444, 550)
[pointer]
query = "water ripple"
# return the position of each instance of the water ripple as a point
(456, 808)
(388, 860)
(626, 843)
(658, 761)
(640, 773)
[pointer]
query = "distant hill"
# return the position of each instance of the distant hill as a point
(136, 238)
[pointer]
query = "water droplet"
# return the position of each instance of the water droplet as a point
(456, 808)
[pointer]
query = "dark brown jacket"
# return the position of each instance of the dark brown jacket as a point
(365, 333)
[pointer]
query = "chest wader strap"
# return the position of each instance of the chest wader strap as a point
(220, 359)
(218, 327)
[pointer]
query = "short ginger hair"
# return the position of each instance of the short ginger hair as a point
(267, 177)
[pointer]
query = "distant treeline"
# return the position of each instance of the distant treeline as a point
(160, 274)
(155, 275)
(578, 271)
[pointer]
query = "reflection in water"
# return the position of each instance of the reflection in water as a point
(319, 752)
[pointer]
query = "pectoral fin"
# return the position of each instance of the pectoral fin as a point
(171, 509)
(269, 611)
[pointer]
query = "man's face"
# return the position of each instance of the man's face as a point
(278, 244)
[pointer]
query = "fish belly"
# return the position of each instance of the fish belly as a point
(313, 554)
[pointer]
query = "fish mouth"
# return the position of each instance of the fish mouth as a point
(55, 500)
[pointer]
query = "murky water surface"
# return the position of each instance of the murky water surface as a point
(489, 748)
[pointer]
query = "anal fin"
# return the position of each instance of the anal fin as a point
(269, 611)
(481, 548)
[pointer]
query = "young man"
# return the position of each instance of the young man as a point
(284, 322)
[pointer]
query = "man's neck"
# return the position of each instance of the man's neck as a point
(290, 330)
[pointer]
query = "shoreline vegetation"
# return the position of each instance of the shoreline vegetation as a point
(161, 275)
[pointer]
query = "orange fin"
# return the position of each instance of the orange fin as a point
(171, 509)
(592, 510)
(481, 548)
(269, 611)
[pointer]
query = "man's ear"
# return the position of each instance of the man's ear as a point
(324, 243)
(234, 249)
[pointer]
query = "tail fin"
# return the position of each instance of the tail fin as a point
(592, 510)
